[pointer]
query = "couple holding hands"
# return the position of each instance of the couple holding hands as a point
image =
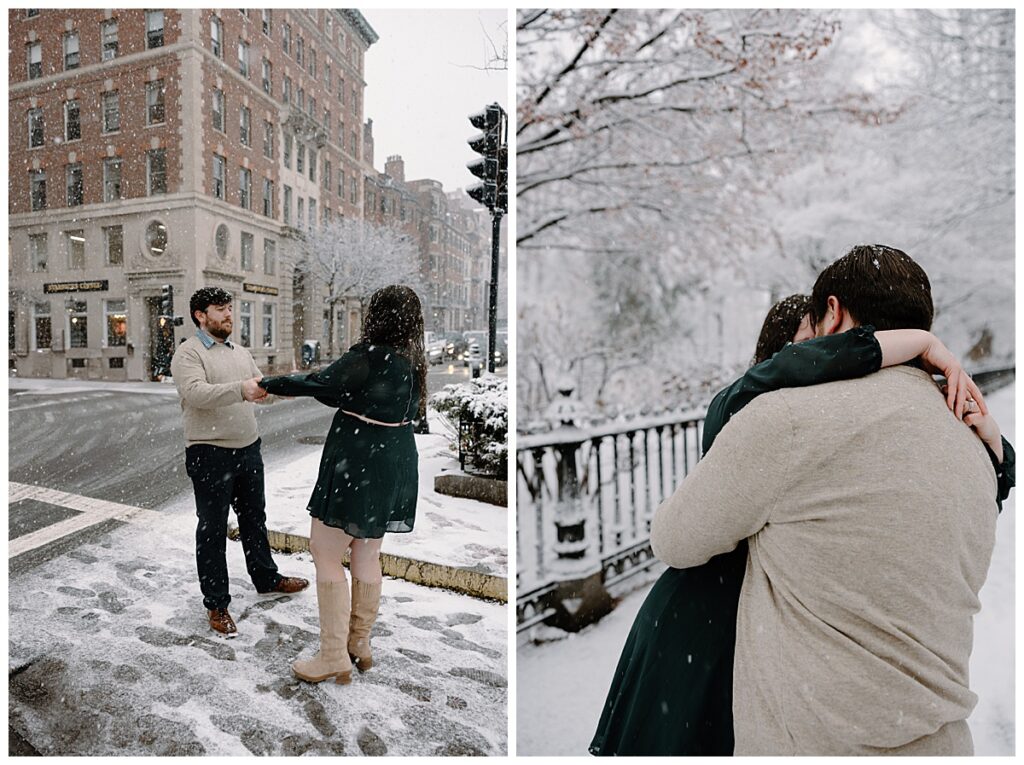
(368, 476)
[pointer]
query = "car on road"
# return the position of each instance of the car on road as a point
(474, 357)
(455, 346)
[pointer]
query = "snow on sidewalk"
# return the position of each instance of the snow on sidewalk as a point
(110, 654)
(449, 530)
(561, 685)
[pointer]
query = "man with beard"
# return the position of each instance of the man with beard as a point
(216, 381)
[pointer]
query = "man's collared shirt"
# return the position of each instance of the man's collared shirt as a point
(208, 341)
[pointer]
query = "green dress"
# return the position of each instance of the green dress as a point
(368, 479)
(671, 693)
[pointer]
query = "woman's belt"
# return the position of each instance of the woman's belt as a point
(401, 424)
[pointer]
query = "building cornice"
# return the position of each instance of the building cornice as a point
(360, 24)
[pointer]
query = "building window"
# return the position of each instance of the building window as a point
(268, 139)
(42, 337)
(243, 58)
(300, 213)
(311, 111)
(245, 188)
(37, 252)
(36, 128)
(286, 38)
(287, 149)
(268, 325)
(327, 174)
(269, 256)
(155, 102)
(72, 121)
(111, 180)
(116, 321)
(341, 134)
(353, 191)
(37, 189)
(156, 238)
(268, 79)
(71, 56)
(247, 247)
(341, 90)
(79, 324)
(327, 71)
(312, 212)
(108, 33)
(301, 100)
(219, 164)
(312, 63)
(35, 60)
(217, 110)
(299, 45)
(73, 179)
(341, 182)
(156, 171)
(265, 17)
(244, 126)
(31, 13)
(154, 29)
(217, 36)
(312, 164)
(300, 158)
(245, 323)
(111, 112)
(113, 245)
(220, 241)
(287, 205)
(268, 197)
(76, 249)
(286, 90)
(116, 362)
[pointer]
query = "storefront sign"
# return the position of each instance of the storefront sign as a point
(259, 289)
(95, 286)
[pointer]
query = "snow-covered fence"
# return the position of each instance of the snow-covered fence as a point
(585, 500)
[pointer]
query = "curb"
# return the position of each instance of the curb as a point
(462, 580)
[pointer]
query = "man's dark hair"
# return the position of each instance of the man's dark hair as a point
(781, 323)
(878, 285)
(205, 297)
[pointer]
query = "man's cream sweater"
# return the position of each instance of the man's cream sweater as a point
(870, 512)
(209, 383)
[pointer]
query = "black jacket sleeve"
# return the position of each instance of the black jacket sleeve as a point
(334, 386)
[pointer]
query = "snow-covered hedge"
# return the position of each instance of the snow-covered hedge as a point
(482, 406)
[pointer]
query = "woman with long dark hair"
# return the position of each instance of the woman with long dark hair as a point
(368, 478)
(671, 693)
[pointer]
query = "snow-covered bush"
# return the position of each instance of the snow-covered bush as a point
(479, 410)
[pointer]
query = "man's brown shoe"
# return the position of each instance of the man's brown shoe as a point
(289, 584)
(221, 621)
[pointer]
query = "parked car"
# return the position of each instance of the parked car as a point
(455, 346)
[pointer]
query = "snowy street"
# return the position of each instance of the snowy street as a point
(110, 652)
(563, 679)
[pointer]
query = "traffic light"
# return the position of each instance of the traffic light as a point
(166, 300)
(492, 168)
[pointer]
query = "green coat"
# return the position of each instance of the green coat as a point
(368, 479)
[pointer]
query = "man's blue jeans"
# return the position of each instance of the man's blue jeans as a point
(222, 478)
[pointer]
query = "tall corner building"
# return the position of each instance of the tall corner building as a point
(175, 147)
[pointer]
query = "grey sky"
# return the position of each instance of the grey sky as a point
(421, 87)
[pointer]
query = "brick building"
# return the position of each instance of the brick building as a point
(454, 240)
(181, 147)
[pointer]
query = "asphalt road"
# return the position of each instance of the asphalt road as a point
(126, 448)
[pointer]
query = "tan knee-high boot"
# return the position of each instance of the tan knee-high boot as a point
(332, 659)
(365, 602)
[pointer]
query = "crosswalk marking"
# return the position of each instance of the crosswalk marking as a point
(93, 511)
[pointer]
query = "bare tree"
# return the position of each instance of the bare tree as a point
(348, 258)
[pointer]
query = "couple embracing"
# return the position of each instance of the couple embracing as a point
(368, 477)
(827, 554)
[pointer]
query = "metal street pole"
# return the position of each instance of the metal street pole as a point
(492, 312)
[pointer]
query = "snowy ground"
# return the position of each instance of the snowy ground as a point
(561, 685)
(110, 654)
(449, 531)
